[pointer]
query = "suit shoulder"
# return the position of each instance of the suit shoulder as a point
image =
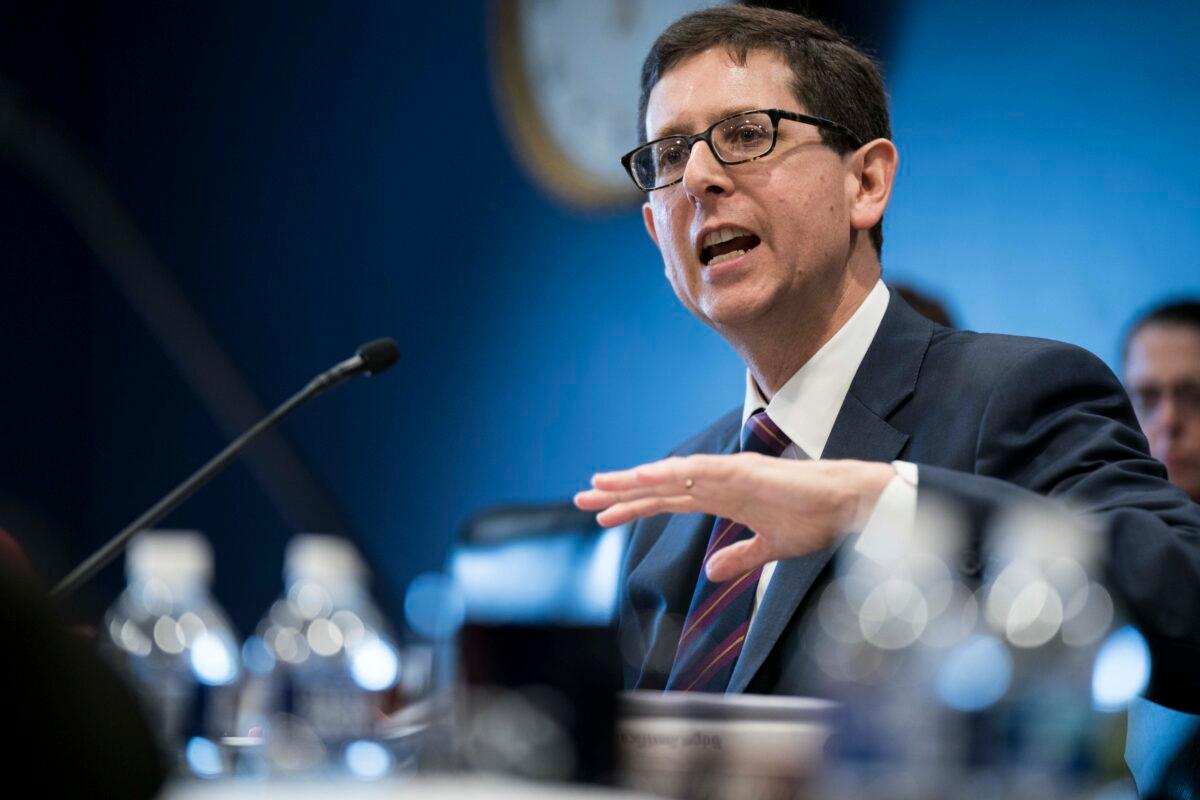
(992, 356)
(712, 438)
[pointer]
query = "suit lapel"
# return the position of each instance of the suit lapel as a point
(885, 379)
(670, 569)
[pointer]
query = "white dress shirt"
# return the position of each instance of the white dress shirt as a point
(806, 407)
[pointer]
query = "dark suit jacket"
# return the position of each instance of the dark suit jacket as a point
(988, 419)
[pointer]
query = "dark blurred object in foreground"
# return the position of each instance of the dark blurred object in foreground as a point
(539, 585)
(67, 708)
(541, 701)
(12, 555)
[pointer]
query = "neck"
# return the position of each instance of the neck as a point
(777, 346)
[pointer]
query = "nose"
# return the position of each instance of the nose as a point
(1169, 417)
(1162, 422)
(704, 175)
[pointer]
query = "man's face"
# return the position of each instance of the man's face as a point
(1162, 372)
(793, 203)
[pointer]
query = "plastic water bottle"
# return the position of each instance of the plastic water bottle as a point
(1075, 666)
(176, 646)
(951, 690)
(321, 665)
(896, 613)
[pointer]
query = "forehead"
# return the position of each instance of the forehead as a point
(1164, 353)
(703, 88)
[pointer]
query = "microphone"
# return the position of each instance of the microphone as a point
(371, 359)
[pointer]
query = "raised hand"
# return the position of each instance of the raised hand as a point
(793, 507)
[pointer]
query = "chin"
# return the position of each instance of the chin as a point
(1188, 480)
(730, 313)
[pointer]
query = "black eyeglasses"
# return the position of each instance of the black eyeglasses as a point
(733, 140)
(1148, 397)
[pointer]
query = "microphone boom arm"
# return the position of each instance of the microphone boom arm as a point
(151, 516)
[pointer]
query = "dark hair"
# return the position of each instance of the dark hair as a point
(830, 77)
(1176, 312)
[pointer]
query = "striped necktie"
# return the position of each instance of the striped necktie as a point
(719, 616)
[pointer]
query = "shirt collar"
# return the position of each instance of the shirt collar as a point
(806, 407)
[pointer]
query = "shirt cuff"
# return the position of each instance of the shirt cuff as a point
(890, 525)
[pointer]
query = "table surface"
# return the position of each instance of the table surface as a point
(449, 787)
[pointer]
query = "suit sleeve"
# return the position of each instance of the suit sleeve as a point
(1058, 424)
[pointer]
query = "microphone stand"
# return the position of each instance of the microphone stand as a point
(111, 549)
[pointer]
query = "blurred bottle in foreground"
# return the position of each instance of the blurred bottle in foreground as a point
(321, 666)
(1010, 688)
(1059, 729)
(175, 644)
(897, 610)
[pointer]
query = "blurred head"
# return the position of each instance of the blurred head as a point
(925, 304)
(1162, 373)
(802, 212)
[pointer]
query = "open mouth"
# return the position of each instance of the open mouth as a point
(726, 244)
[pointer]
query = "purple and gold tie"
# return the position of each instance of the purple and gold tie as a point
(719, 617)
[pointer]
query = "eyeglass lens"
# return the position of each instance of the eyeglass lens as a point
(736, 139)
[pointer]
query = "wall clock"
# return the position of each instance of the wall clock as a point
(566, 79)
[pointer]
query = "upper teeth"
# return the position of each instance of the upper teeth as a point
(722, 235)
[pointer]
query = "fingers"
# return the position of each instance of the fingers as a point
(657, 479)
(621, 513)
(597, 499)
(674, 470)
(676, 485)
(616, 481)
(653, 474)
(737, 559)
(591, 500)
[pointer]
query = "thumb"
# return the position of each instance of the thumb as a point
(737, 559)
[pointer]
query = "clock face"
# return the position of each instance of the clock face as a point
(568, 79)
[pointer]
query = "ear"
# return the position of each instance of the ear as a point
(874, 170)
(648, 219)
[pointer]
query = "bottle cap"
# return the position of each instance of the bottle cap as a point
(1044, 532)
(175, 556)
(324, 559)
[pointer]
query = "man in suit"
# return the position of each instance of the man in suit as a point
(767, 164)
(1161, 364)
(1162, 370)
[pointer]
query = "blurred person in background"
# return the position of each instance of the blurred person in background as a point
(1161, 361)
(925, 304)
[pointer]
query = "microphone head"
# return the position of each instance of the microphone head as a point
(379, 355)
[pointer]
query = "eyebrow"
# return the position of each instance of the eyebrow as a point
(677, 129)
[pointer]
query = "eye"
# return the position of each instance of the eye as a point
(749, 134)
(1146, 398)
(745, 136)
(670, 155)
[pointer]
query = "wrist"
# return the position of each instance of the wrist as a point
(868, 480)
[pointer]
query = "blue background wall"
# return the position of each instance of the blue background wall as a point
(1049, 186)
(1050, 179)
